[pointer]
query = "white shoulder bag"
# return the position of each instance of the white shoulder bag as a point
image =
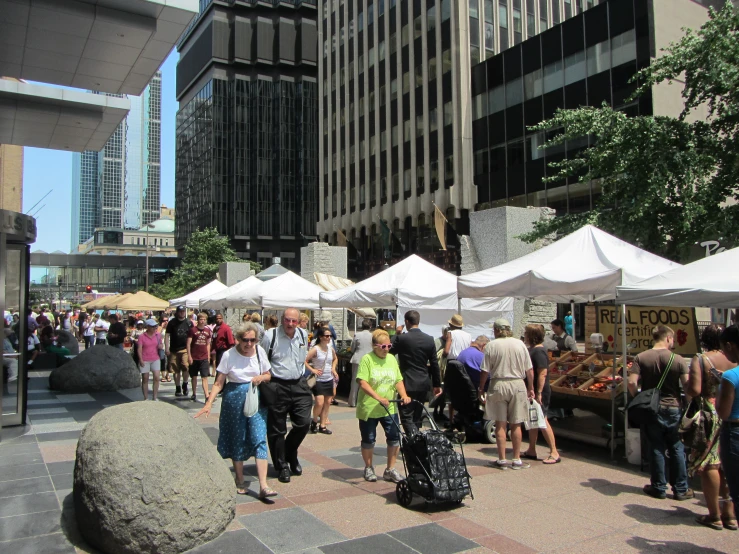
(251, 404)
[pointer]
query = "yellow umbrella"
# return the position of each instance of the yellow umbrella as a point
(142, 301)
(96, 304)
(113, 301)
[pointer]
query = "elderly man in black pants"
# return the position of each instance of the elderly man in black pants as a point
(419, 367)
(287, 393)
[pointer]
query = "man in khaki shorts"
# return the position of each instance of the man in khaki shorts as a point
(175, 348)
(508, 364)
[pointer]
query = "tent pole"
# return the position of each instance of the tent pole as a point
(613, 393)
(574, 322)
(624, 364)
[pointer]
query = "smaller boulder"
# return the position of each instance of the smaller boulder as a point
(97, 369)
(68, 341)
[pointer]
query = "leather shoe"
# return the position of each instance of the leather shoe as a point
(284, 476)
(654, 493)
(296, 468)
(687, 495)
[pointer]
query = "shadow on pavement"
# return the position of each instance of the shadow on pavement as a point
(614, 489)
(647, 545)
(68, 523)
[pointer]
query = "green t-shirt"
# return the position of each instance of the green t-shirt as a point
(382, 375)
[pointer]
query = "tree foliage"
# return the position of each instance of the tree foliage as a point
(664, 180)
(204, 252)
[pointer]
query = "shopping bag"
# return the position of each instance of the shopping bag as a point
(251, 404)
(535, 417)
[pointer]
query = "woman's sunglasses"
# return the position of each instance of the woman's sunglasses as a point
(384, 346)
(325, 336)
(248, 340)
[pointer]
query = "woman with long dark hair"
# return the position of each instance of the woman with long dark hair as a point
(727, 406)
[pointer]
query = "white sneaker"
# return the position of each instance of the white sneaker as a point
(518, 464)
(392, 475)
(369, 474)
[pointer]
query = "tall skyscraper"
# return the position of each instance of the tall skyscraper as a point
(120, 186)
(247, 157)
(395, 116)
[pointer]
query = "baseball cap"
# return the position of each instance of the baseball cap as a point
(181, 308)
(502, 323)
(150, 323)
(139, 322)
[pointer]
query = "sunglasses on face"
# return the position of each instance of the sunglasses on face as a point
(248, 340)
(384, 346)
(325, 336)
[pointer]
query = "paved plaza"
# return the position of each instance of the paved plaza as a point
(584, 504)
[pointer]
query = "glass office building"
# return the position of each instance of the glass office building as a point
(120, 186)
(247, 128)
(395, 112)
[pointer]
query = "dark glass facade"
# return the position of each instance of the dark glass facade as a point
(585, 61)
(247, 129)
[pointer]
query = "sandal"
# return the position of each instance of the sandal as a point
(241, 488)
(266, 492)
(530, 456)
(325, 430)
(729, 523)
(551, 460)
(708, 521)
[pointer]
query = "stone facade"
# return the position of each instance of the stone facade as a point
(11, 177)
(494, 241)
(230, 273)
(320, 257)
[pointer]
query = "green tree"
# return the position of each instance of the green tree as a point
(664, 180)
(204, 252)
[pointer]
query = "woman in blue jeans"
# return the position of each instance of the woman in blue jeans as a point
(379, 378)
(727, 406)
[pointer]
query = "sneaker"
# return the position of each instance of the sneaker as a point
(178, 391)
(184, 389)
(500, 464)
(392, 475)
(518, 464)
(369, 474)
(687, 495)
(314, 427)
(194, 397)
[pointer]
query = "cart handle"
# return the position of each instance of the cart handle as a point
(413, 400)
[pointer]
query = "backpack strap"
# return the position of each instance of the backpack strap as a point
(667, 370)
(272, 344)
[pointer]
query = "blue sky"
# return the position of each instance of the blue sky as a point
(44, 170)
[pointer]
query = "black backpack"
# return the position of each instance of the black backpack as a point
(644, 407)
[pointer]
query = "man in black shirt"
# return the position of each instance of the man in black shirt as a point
(116, 332)
(417, 359)
(175, 348)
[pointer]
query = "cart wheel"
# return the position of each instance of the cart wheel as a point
(404, 494)
(462, 437)
(490, 432)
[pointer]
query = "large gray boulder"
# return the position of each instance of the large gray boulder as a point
(68, 341)
(148, 479)
(97, 369)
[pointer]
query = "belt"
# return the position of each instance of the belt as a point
(286, 381)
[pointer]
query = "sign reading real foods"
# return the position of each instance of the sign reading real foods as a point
(639, 324)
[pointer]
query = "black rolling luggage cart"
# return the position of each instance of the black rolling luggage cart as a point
(433, 467)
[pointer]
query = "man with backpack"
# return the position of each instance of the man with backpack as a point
(659, 368)
(287, 393)
(175, 348)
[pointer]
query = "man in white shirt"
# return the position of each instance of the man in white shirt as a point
(361, 345)
(511, 372)
(101, 331)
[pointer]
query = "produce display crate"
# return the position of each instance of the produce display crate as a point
(562, 385)
(603, 395)
(566, 364)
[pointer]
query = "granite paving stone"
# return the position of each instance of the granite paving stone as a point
(27, 449)
(56, 468)
(63, 480)
(55, 452)
(290, 529)
(25, 486)
(29, 525)
(380, 543)
(23, 472)
(20, 459)
(46, 544)
(58, 436)
(234, 542)
(432, 539)
(28, 504)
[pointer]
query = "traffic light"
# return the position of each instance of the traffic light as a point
(88, 289)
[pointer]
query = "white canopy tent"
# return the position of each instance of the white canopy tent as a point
(584, 266)
(709, 282)
(415, 284)
(218, 301)
(332, 282)
(289, 290)
(192, 300)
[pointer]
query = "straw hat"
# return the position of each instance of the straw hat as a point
(456, 321)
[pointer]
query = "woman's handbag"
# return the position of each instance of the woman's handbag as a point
(693, 425)
(644, 407)
(251, 404)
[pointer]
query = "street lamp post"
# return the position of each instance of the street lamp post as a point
(149, 226)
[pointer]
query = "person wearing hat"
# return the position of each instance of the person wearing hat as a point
(147, 347)
(175, 348)
(134, 335)
(508, 365)
(457, 339)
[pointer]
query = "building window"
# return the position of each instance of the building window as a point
(448, 114)
(407, 180)
(446, 10)
(431, 19)
(417, 27)
(449, 167)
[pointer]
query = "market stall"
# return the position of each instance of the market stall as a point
(287, 290)
(192, 300)
(217, 301)
(142, 301)
(415, 284)
(585, 266)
